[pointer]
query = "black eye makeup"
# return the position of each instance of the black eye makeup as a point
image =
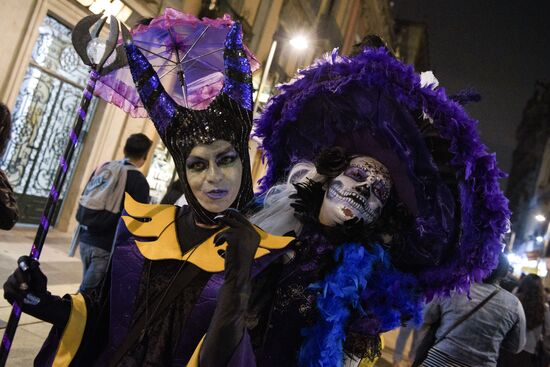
(226, 158)
(356, 173)
(196, 164)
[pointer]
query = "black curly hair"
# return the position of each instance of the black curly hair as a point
(531, 295)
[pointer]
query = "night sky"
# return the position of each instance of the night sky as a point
(500, 48)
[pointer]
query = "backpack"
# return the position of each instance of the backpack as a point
(99, 206)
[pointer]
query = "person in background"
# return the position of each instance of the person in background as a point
(510, 282)
(404, 334)
(9, 213)
(475, 342)
(537, 315)
(101, 206)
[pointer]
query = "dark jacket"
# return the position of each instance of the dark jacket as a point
(8, 207)
(138, 188)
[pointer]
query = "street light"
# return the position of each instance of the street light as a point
(109, 7)
(544, 239)
(298, 42)
(540, 218)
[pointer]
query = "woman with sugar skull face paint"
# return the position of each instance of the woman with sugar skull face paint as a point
(382, 207)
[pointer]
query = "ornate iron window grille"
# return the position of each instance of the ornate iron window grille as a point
(42, 118)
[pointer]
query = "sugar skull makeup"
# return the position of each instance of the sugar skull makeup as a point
(360, 192)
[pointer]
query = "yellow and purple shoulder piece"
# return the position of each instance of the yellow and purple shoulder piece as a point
(155, 225)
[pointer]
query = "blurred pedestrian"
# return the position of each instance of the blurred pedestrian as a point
(537, 315)
(9, 213)
(404, 334)
(101, 205)
(510, 282)
(547, 295)
(469, 336)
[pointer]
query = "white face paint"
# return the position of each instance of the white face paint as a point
(360, 192)
(214, 173)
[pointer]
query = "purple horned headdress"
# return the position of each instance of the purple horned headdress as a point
(228, 117)
(373, 104)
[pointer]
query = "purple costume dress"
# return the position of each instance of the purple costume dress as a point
(148, 254)
(172, 337)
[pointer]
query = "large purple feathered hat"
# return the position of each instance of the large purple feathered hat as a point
(373, 104)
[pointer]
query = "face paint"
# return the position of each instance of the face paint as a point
(360, 192)
(214, 173)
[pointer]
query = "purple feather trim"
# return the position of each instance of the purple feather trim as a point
(466, 96)
(483, 207)
(354, 297)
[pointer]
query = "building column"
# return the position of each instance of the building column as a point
(191, 6)
(349, 36)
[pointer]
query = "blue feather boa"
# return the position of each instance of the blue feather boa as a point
(364, 283)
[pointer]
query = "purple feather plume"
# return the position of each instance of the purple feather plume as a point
(337, 98)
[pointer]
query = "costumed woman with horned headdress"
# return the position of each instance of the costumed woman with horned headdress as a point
(166, 280)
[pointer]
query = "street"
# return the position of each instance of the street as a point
(63, 272)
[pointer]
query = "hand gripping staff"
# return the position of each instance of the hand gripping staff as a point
(86, 31)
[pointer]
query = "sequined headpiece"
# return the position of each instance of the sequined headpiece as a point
(228, 117)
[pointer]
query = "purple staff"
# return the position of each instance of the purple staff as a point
(81, 38)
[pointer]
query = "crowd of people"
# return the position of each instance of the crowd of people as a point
(509, 330)
(367, 219)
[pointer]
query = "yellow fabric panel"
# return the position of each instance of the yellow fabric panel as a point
(164, 248)
(161, 225)
(194, 361)
(158, 217)
(72, 335)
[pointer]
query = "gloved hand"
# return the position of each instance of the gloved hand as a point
(28, 287)
(242, 242)
(228, 322)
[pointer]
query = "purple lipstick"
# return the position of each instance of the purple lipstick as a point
(216, 194)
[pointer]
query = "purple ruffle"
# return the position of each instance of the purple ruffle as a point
(204, 68)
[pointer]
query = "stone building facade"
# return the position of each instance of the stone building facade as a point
(529, 181)
(41, 80)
